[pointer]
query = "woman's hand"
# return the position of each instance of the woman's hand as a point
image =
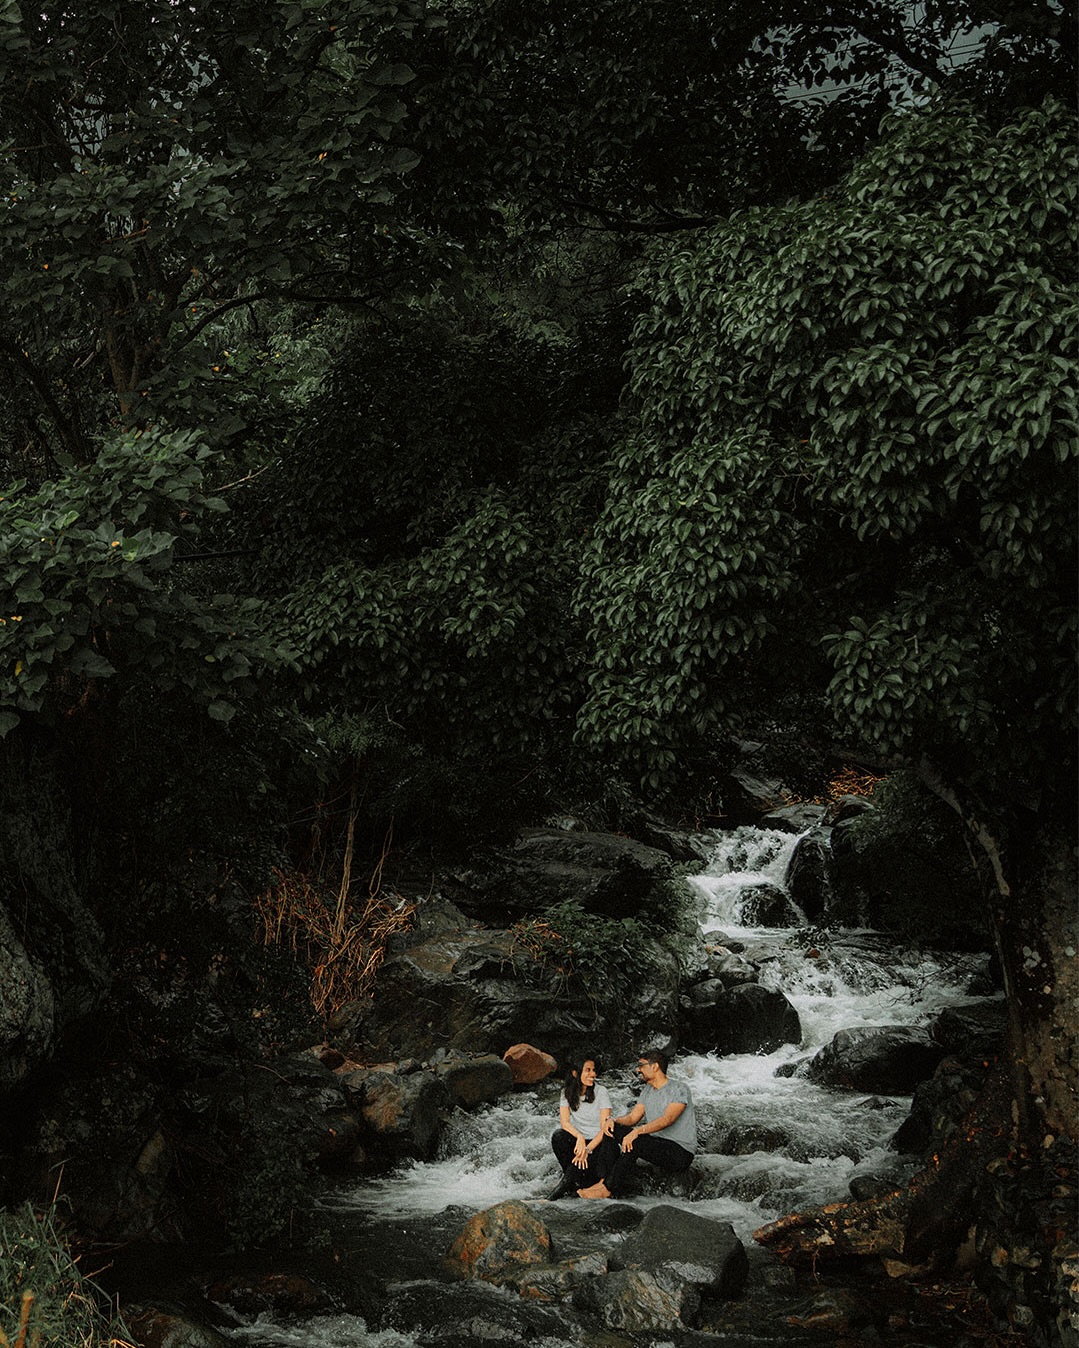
(580, 1153)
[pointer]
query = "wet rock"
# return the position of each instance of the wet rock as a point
(939, 1106)
(794, 818)
(462, 1314)
(637, 1300)
(749, 792)
(159, 1328)
(768, 906)
(277, 1293)
(475, 1081)
(498, 1242)
(731, 968)
(553, 1282)
(604, 872)
(677, 843)
(529, 1065)
(975, 1031)
(696, 1249)
(809, 873)
(836, 1312)
(884, 1059)
(746, 1138)
(404, 1113)
(848, 807)
(745, 1019)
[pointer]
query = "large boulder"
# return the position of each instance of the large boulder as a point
(477, 992)
(975, 1031)
(696, 1249)
(604, 872)
(27, 1011)
(767, 905)
(475, 1081)
(529, 1065)
(881, 1059)
(636, 1300)
(402, 1113)
(747, 1018)
(498, 1242)
(809, 873)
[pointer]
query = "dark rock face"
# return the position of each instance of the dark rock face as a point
(731, 968)
(475, 1081)
(883, 1059)
(976, 1031)
(698, 1250)
(809, 873)
(605, 873)
(768, 906)
(744, 1019)
(403, 1112)
(939, 1106)
(481, 992)
(54, 966)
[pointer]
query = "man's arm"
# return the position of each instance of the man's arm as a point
(672, 1112)
(635, 1114)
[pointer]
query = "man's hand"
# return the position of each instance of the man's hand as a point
(630, 1137)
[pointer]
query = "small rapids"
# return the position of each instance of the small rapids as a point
(769, 1144)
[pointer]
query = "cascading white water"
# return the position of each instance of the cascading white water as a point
(799, 1143)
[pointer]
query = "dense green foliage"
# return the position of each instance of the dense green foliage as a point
(856, 420)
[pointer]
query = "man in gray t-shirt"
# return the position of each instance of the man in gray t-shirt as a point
(660, 1128)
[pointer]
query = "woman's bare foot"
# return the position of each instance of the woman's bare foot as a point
(598, 1190)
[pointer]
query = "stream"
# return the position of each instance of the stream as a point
(769, 1144)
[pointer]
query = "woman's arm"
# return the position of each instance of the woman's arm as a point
(604, 1129)
(580, 1148)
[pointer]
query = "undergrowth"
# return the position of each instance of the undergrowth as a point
(46, 1301)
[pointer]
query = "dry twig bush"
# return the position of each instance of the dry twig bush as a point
(342, 941)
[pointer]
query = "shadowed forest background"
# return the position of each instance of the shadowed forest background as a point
(424, 420)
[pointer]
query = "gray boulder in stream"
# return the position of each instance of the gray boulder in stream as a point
(748, 1018)
(882, 1059)
(696, 1249)
(635, 1299)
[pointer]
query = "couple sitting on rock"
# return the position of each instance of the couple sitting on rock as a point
(597, 1153)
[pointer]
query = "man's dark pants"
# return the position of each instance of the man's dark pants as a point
(651, 1147)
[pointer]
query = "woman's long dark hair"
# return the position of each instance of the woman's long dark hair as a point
(571, 1087)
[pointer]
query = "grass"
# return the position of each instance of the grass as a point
(45, 1299)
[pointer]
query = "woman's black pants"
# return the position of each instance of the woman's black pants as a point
(599, 1161)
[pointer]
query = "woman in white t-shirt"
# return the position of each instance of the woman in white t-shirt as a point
(582, 1142)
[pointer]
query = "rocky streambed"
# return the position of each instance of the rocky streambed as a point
(824, 1065)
